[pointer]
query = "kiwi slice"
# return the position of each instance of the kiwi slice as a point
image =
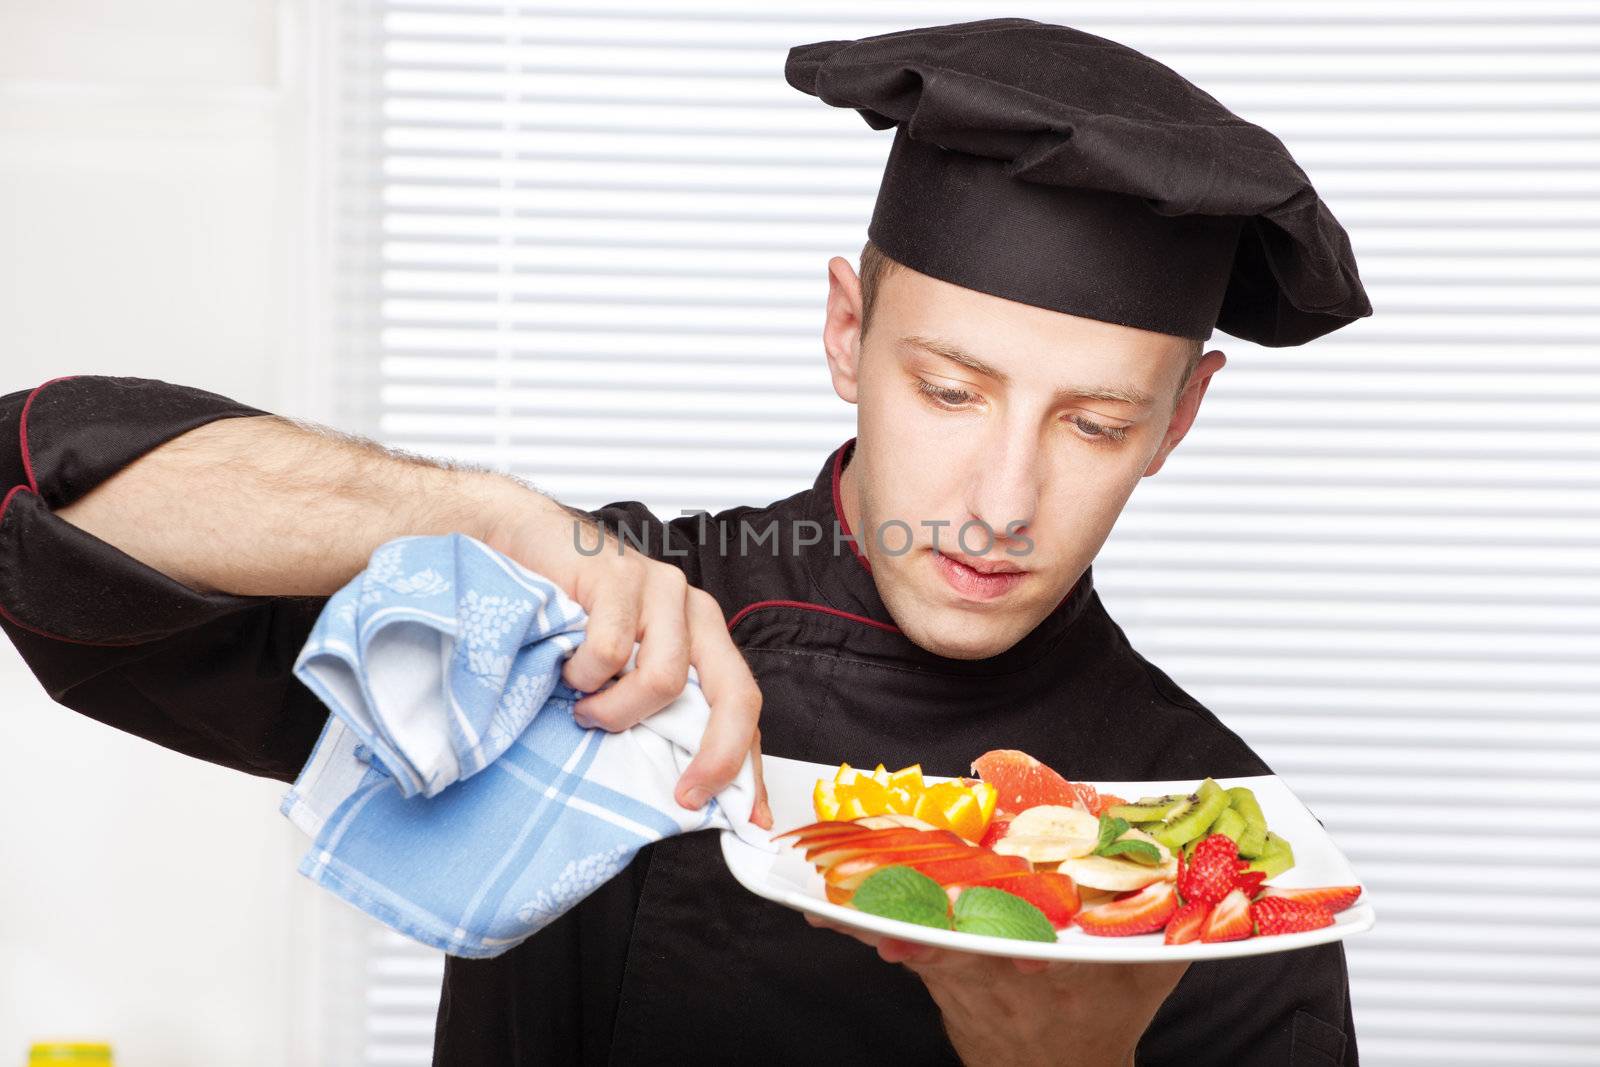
(1253, 842)
(1254, 839)
(1194, 822)
(1276, 857)
(1154, 809)
(1229, 824)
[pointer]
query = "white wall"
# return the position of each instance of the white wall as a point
(150, 223)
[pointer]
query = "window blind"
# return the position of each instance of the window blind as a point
(587, 244)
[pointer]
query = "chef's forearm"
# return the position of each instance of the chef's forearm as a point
(263, 506)
(1088, 1015)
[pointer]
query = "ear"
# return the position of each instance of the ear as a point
(1188, 406)
(841, 330)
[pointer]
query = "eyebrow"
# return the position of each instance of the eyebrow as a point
(957, 354)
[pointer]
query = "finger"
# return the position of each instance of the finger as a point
(662, 667)
(864, 936)
(608, 638)
(761, 811)
(894, 950)
(735, 702)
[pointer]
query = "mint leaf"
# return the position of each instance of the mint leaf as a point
(983, 909)
(1138, 851)
(900, 892)
(1110, 830)
(1134, 849)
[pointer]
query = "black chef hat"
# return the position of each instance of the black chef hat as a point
(1046, 165)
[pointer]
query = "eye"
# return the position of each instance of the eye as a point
(947, 397)
(1091, 429)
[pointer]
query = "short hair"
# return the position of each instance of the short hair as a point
(1195, 353)
(876, 266)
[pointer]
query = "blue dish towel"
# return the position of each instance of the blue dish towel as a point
(451, 795)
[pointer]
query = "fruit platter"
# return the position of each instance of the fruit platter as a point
(1017, 860)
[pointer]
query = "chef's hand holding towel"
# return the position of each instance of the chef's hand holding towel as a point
(451, 795)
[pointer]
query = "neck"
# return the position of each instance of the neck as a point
(849, 505)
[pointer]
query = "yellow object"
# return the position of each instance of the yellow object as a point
(70, 1054)
(824, 801)
(957, 805)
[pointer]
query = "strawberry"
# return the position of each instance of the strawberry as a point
(1212, 870)
(1142, 912)
(1281, 915)
(1186, 922)
(1218, 844)
(1249, 881)
(1230, 920)
(1333, 898)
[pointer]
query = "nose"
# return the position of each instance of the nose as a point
(1003, 492)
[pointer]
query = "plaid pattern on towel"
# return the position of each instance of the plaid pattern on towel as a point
(451, 795)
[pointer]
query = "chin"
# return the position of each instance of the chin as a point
(960, 636)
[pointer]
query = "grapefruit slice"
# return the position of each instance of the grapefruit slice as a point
(1023, 782)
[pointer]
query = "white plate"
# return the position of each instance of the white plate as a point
(786, 878)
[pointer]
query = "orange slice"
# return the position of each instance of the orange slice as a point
(964, 806)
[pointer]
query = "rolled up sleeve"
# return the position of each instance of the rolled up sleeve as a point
(205, 674)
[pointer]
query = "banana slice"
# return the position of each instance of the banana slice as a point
(1037, 850)
(1049, 833)
(1054, 820)
(1117, 876)
(1075, 831)
(1120, 875)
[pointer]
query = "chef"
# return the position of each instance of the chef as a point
(1061, 224)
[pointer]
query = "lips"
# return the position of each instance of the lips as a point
(986, 566)
(974, 584)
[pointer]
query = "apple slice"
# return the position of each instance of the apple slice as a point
(819, 830)
(829, 853)
(867, 833)
(979, 865)
(831, 860)
(1052, 893)
(851, 872)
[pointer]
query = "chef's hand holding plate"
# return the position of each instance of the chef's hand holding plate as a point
(1026, 1011)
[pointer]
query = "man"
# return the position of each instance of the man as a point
(1062, 221)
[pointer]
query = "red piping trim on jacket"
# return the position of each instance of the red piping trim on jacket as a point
(22, 435)
(13, 620)
(15, 489)
(805, 606)
(838, 508)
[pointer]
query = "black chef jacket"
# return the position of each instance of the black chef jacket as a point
(671, 962)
